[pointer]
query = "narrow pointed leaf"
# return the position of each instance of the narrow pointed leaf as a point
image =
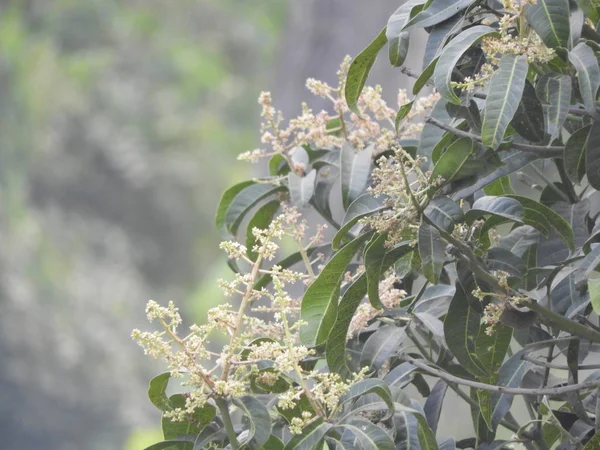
(432, 251)
(381, 345)
(588, 74)
(157, 391)
(425, 76)
(505, 91)
(505, 207)
(355, 170)
(367, 435)
(435, 300)
(437, 12)
(575, 153)
(450, 163)
(407, 431)
(529, 117)
(434, 403)
(437, 38)
(430, 135)
(362, 207)
(320, 301)
(224, 204)
(554, 91)
(200, 418)
(302, 188)
(370, 386)
(444, 212)
(359, 71)
(244, 201)
(442, 75)
(550, 20)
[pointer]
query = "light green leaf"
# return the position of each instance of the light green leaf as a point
(550, 20)
(311, 435)
(594, 288)
(501, 186)
(320, 301)
(437, 12)
(450, 55)
(355, 170)
(432, 251)
(402, 113)
(575, 152)
(157, 391)
(425, 76)
(588, 74)
(592, 156)
(359, 71)
(398, 40)
(302, 188)
(504, 94)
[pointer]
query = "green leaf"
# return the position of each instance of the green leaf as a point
(430, 135)
(274, 443)
(593, 443)
(432, 251)
(544, 219)
(320, 301)
(406, 426)
(359, 71)
(311, 435)
(461, 327)
(501, 259)
(450, 163)
(157, 391)
(370, 386)
(588, 74)
(367, 435)
(592, 156)
(433, 404)
(200, 418)
(355, 170)
(510, 375)
(402, 113)
(398, 40)
(261, 220)
(437, 12)
(259, 421)
(425, 76)
(381, 345)
(529, 117)
(362, 207)
(491, 349)
(335, 349)
(438, 35)
(575, 153)
(554, 91)
(442, 75)
(435, 300)
(302, 188)
(425, 435)
(594, 288)
(243, 202)
(224, 204)
(501, 186)
(444, 212)
(550, 20)
(505, 207)
(505, 92)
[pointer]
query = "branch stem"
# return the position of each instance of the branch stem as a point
(224, 410)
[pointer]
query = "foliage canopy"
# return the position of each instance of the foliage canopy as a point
(466, 251)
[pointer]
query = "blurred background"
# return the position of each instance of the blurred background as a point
(120, 122)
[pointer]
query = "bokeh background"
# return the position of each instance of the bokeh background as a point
(120, 122)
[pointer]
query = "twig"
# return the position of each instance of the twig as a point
(502, 389)
(550, 365)
(550, 183)
(552, 151)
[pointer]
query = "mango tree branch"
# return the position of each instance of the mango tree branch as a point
(501, 389)
(551, 152)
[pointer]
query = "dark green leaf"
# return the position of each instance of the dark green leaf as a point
(435, 300)
(550, 20)
(491, 349)
(554, 91)
(355, 170)
(447, 444)
(274, 443)
(261, 220)
(433, 404)
(450, 163)
(259, 421)
(426, 436)
(502, 259)
(224, 204)
(575, 153)
(442, 75)
(501, 186)
(505, 91)
(406, 426)
(402, 113)
(397, 39)
(215, 432)
(438, 35)
(367, 435)
(157, 391)
(504, 207)
(363, 206)
(592, 156)
(244, 201)
(437, 12)
(302, 188)
(180, 443)
(510, 375)
(432, 251)
(589, 263)
(430, 135)
(370, 386)
(400, 376)
(198, 420)
(444, 212)
(320, 301)
(519, 240)
(359, 71)
(311, 435)
(425, 76)
(335, 350)
(381, 345)
(588, 74)
(529, 117)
